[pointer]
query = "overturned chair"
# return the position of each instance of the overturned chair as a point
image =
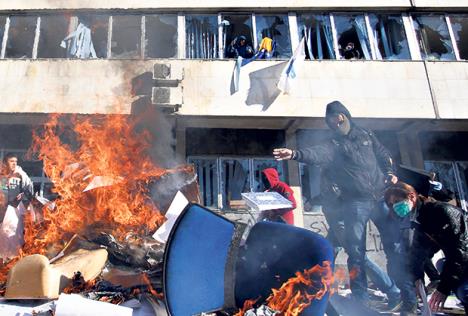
(206, 270)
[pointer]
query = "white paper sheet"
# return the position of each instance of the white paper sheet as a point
(177, 206)
(76, 305)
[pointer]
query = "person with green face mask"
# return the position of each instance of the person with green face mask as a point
(428, 226)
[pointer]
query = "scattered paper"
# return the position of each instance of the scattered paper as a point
(76, 305)
(11, 233)
(177, 206)
(102, 181)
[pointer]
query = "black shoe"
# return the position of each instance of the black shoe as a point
(394, 306)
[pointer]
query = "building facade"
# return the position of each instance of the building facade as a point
(407, 79)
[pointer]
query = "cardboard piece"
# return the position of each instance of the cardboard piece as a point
(264, 201)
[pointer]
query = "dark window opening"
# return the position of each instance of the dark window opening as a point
(21, 37)
(235, 28)
(433, 37)
(126, 37)
(353, 40)
(161, 36)
(319, 37)
(389, 37)
(460, 30)
(52, 32)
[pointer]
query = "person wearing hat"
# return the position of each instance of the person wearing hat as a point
(360, 166)
(434, 226)
(239, 48)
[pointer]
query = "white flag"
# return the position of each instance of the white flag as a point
(290, 72)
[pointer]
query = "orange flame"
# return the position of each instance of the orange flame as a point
(298, 292)
(104, 151)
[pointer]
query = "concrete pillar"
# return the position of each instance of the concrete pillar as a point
(410, 149)
(295, 180)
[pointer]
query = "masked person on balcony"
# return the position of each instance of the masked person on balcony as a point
(360, 166)
(431, 226)
(16, 185)
(271, 182)
(239, 48)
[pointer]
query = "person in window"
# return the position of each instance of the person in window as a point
(432, 226)
(16, 185)
(239, 48)
(361, 167)
(271, 182)
(350, 52)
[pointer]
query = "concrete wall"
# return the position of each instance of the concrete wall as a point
(441, 3)
(370, 89)
(183, 4)
(449, 82)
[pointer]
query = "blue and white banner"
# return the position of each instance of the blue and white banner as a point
(290, 72)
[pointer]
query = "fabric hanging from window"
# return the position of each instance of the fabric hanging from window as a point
(329, 38)
(80, 43)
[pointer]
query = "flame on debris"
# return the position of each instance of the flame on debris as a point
(108, 159)
(298, 292)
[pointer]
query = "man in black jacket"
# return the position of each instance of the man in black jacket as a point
(359, 166)
(437, 226)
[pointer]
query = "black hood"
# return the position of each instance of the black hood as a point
(337, 107)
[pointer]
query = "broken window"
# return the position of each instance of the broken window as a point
(275, 27)
(2, 27)
(161, 36)
(258, 166)
(234, 180)
(353, 40)
(21, 36)
(319, 36)
(207, 177)
(460, 31)
(236, 26)
(201, 36)
(126, 37)
(52, 31)
(433, 37)
(390, 40)
(87, 37)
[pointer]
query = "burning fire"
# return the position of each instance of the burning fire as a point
(298, 292)
(106, 157)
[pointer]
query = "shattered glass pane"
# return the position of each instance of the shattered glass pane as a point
(460, 30)
(234, 26)
(319, 36)
(52, 31)
(234, 180)
(433, 37)
(207, 177)
(353, 40)
(2, 27)
(21, 37)
(275, 27)
(126, 37)
(390, 40)
(161, 36)
(201, 36)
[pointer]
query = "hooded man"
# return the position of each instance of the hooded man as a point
(15, 184)
(271, 181)
(239, 48)
(360, 166)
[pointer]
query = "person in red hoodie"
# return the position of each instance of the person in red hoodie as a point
(271, 181)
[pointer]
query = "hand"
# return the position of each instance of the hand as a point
(437, 301)
(19, 196)
(282, 154)
(391, 178)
